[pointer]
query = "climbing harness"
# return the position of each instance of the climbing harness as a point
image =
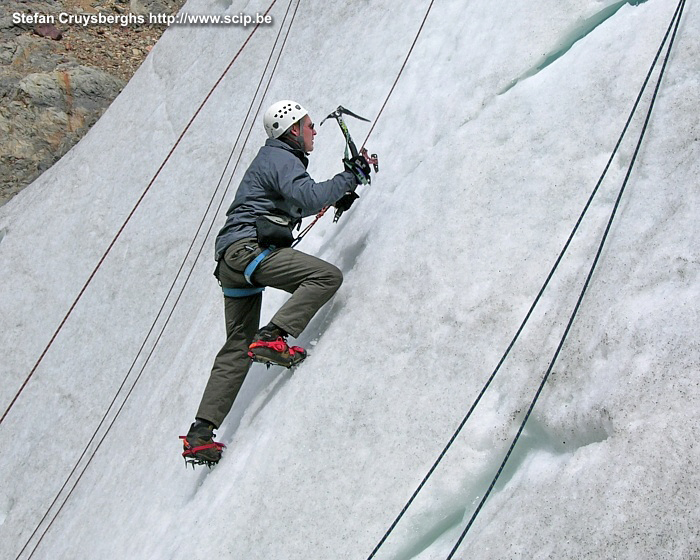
(248, 272)
(248, 275)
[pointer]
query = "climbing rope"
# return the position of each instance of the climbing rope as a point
(675, 24)
(403, 66)
(127, 220)
(379, 114)
(534, 304)
(167, 297)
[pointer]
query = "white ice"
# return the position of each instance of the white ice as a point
(488, 154)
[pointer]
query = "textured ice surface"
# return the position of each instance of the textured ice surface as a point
(442, 257)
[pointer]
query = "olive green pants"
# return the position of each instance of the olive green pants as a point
(311, 281)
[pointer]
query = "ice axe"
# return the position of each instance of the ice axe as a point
(350, 148)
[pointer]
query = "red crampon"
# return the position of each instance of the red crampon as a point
(276, 352)
(191, 457)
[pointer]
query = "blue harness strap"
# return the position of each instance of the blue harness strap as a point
(250, 269)
(241, 292)
(248, 274)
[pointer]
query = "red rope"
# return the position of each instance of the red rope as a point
(128, 218)
(167, 320)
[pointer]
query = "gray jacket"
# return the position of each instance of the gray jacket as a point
(277, 182)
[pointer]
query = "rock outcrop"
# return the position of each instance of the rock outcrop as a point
(57, 79)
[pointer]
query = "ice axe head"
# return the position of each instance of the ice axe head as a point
(343, 111)
(339, 112)
(350, 145)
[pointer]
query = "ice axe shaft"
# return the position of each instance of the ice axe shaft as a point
(350, 145)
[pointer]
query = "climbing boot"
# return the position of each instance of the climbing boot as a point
(199, 445)
(270, 347)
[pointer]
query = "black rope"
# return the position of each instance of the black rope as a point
(531, 309)
(167, 297)
(403, 66)
(379, 114)
(676, 19)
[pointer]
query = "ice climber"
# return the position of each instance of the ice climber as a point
(253, 250)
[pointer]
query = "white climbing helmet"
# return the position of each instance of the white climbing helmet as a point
(280, 116)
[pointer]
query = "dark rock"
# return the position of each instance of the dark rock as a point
(53, 91)
(49, 31)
